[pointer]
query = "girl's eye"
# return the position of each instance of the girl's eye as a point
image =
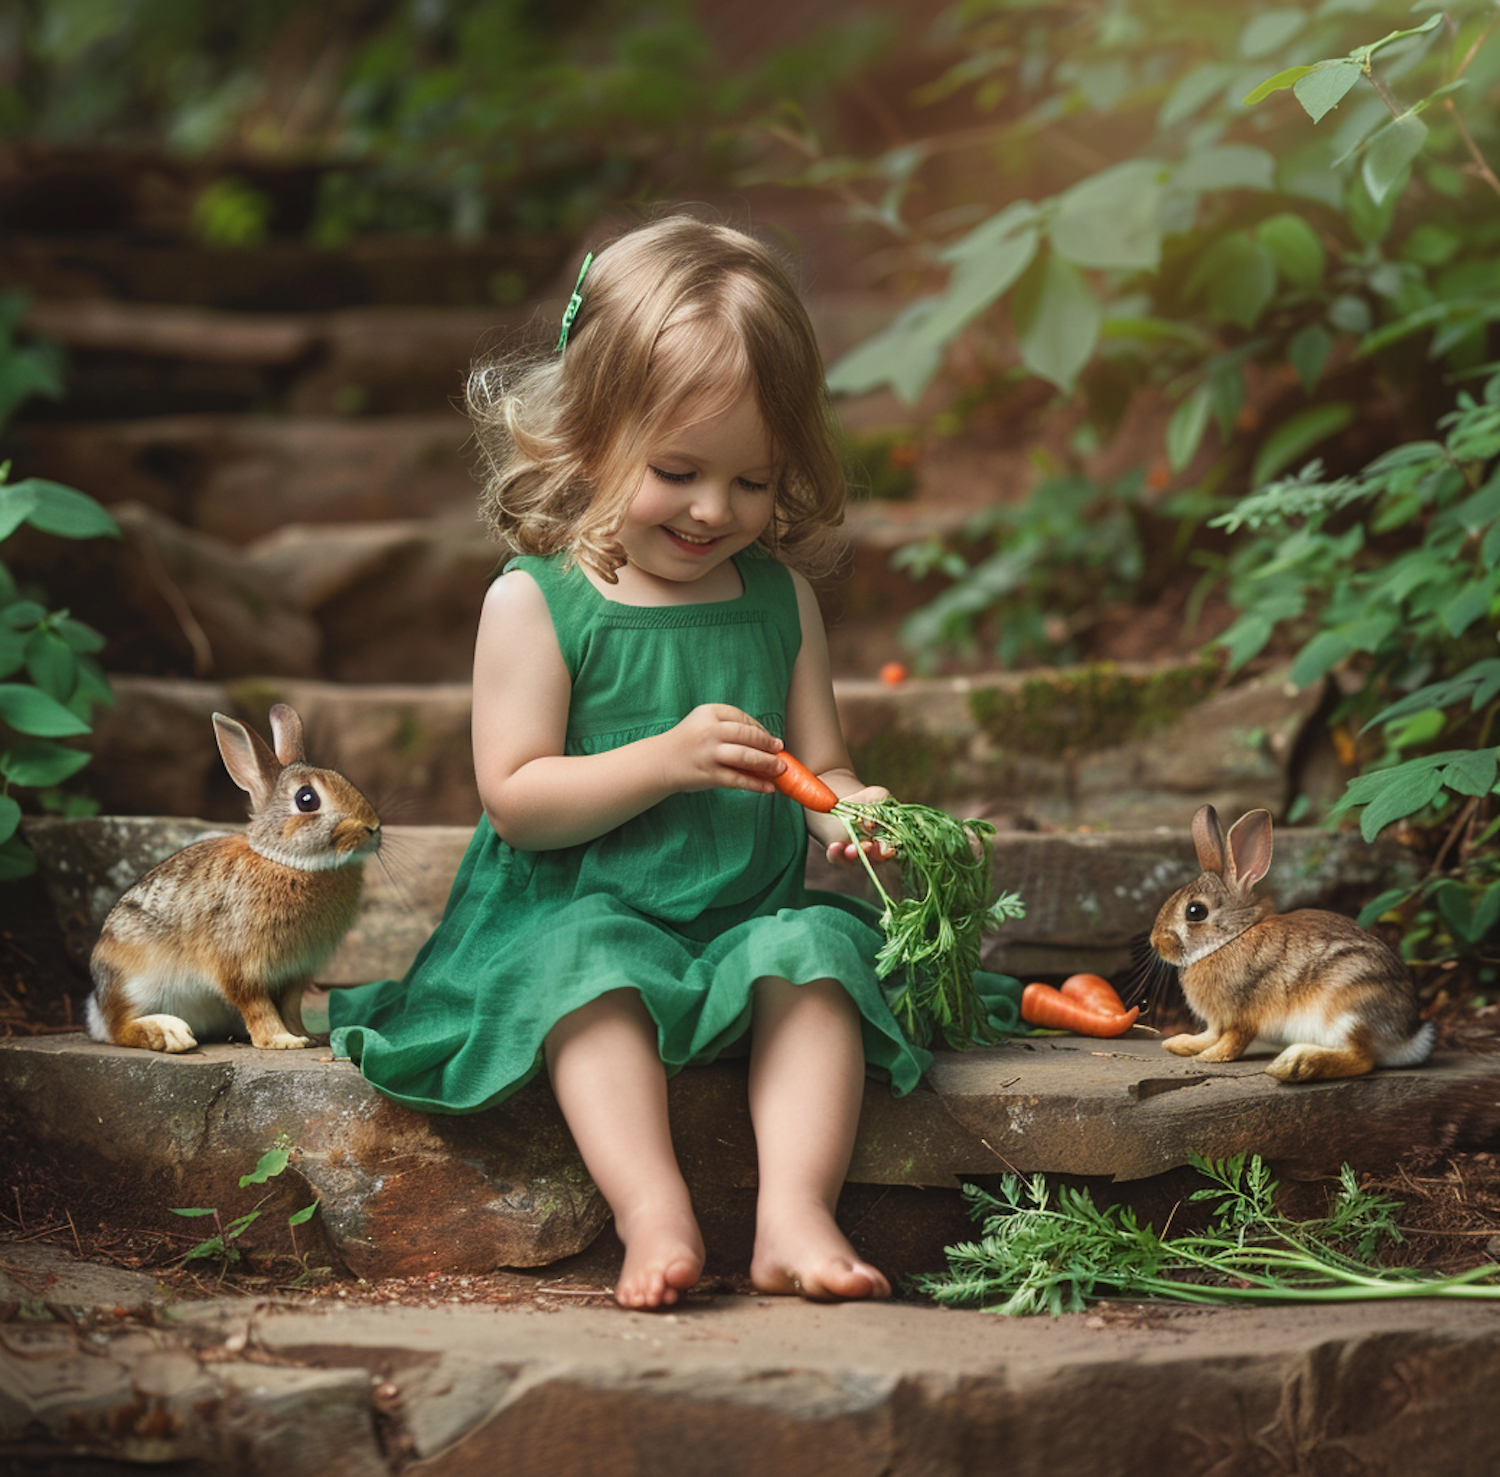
(671, 476)
(750, 486)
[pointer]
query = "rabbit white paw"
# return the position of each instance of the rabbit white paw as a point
(283, 1041)
(166, 1033)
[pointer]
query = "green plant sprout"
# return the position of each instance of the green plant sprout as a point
(221, 1243)
(934, 931)
(1042, 1253)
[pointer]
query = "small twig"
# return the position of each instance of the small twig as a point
(78, 1245)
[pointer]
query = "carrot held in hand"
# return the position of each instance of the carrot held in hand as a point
(1043, 1005)
(1095, 992)
(798, 781)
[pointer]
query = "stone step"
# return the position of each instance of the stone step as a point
(125, 1135)
(560, 1386)
(1087, 895)
(1105, 746)
(239, 478)
(168, 358)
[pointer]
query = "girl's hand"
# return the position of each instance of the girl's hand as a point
(718, 746)
(842, 849)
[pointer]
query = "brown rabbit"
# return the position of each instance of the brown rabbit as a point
(1316, 980)
(222, 937)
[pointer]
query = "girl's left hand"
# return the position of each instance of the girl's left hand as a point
(876, 848)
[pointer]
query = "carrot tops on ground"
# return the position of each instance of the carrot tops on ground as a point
(1042, 1252)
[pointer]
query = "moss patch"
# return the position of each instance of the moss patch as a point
(1083, 709)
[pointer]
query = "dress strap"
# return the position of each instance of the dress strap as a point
(571, 600)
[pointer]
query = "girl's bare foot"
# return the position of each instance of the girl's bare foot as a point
(805, 1253)
(663, 1258)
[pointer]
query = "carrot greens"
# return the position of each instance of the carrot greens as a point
(1042, 1253)
(934, 930)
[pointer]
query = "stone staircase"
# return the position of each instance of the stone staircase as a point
(298, 524)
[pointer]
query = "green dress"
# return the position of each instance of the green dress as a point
(690, 902)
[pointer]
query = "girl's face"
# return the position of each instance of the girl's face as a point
(707, 492)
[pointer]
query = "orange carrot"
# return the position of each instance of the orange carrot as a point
(1043, 1005)
(1095, 992)
(798, 781)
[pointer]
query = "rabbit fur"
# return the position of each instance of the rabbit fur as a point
(223, 936)
(1338, 999)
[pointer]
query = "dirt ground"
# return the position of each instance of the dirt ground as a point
(1450, 1221)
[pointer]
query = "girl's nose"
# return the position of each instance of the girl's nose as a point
(710, 505)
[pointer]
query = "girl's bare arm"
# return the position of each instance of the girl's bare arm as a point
(537, 797)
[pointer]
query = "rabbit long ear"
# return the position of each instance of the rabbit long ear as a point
(286, 734)
(251, 765)
(1208, 839)
(1249, 849)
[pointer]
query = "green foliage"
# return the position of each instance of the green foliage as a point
(424, 116)
(1213, 231)
(1396, 570)
(1046, 1253)
(1028, 580)
(221, 1245)
(50, 681)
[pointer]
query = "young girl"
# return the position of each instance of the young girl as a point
(633, 900)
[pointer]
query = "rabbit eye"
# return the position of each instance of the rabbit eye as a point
(1196, 912)
(307, 799)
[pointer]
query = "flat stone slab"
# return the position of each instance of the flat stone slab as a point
(123, 1136)
(748, 1385)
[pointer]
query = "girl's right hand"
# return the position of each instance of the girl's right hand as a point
(718, 746)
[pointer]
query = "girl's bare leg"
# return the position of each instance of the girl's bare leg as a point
(807, 1077)
(612, 1089)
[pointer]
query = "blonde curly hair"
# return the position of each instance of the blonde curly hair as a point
(678, 319)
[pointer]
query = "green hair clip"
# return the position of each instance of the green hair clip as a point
(574, 303)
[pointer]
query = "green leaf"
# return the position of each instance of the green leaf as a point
(1293, 439)
(901, 356)
(17, 860)
(1057, 320)
(1185, 429)
(29, 710)
(1474, 774)
(1390, 153)
(17, 500)
(272, 1162)
(301, 1217)
(1379, 906)
(1469, 604)
(1238, 277)
(10, 817)
(1308, 352)
(1325, 86)
(1282, 80)
(194, 1213)
(1113, 218)
(38, 765)
(65, 511)
(1226, 167)
(1324, 652)
(1295, 248)
(1405, 790)
(51, 664)
(1246, 638)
